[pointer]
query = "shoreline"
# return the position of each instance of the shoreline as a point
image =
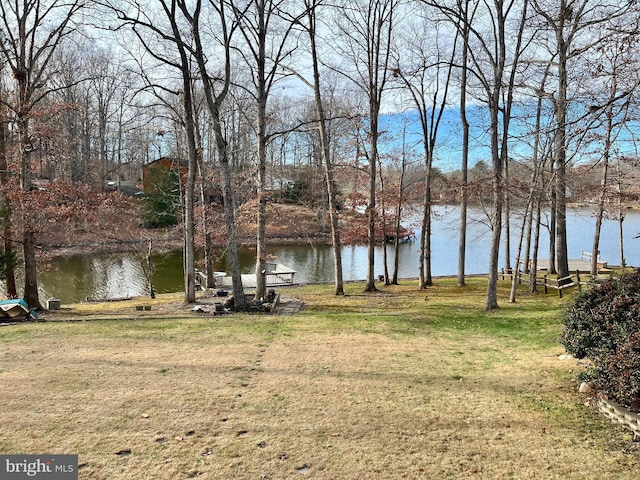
(163, 245)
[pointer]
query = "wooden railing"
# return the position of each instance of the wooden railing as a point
(277, 275)
(572, 280)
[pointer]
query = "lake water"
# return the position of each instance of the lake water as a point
(112, 276)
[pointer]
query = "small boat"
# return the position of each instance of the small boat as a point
(16, 309)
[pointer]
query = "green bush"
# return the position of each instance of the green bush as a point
(294, 192)
(603, 325)
(160, 204)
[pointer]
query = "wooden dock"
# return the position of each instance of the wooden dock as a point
(582, 264)
(276, 275)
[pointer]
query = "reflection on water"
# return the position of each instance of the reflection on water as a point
(74, 278)
(96, 276)
(117, 277)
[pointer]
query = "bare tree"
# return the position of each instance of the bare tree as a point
(216, 88)
(574, 25)
(32, 32)
(540, 155)
(8, 259)
(465, 14)
(493, 64)
(312, 9)
(266, 47)
(178, 57)
(399, 204)
(535, 186)
(425, 70)
(616, 67)
(366, 29)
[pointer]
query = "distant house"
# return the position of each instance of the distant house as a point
(153, 172)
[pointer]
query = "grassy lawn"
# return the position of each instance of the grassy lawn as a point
(399, 384)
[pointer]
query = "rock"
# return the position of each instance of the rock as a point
(566, 356)
(587, 387)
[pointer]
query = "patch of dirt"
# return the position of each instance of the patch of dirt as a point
(170, 305)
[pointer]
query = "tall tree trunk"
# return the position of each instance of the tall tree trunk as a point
(501, 173)
(604, 181)
(621, 216)
(499, 150)
(426, 279)
(561, 106)
(528, 213)
(214, 104)
(538, 161)
(228, 199)
(31, 294)
(326, 155)
(192, 168)
(371, 207)
(396, 240)
(209, 268)
(507, 216)
(496, 218)
(464, 193)
(189, 224)
(11, 290)
(261, 132)
(551, 266)
(385, 250)
(533, 270)
(261, 237)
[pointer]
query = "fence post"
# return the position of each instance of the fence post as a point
(545, 284)
(502, 272)
(578, 280)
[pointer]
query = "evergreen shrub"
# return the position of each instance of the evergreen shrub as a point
(161, 202)
(603, 325)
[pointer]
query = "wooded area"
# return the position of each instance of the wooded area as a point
(312, 101)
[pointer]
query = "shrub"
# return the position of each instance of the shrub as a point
(603, 325)
(294, 192)
(160, 203)
(619, 374)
